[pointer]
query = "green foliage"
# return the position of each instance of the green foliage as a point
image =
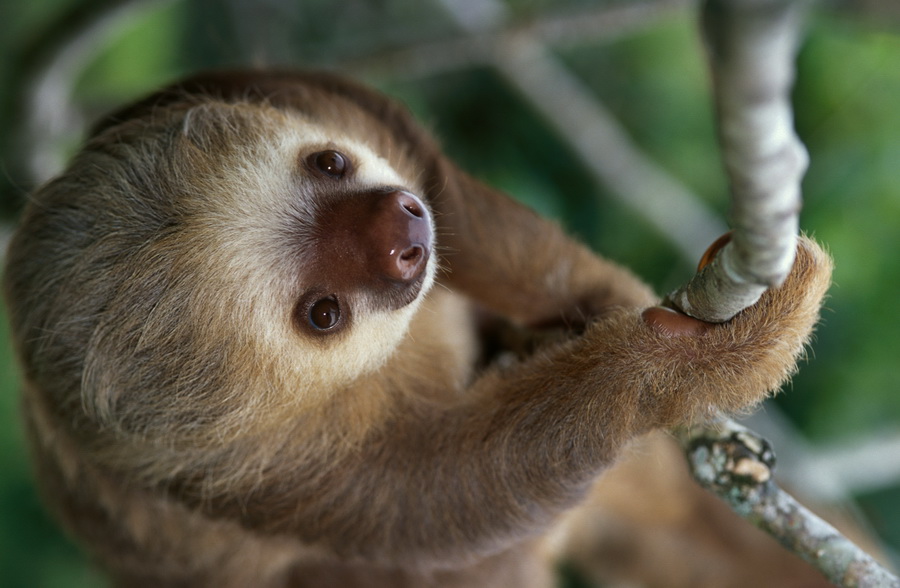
(655, 82)
(33, 552)
(142, 55)
(847, 114)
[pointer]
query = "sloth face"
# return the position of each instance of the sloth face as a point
(369, 242)
(200, 259)
(328, 245)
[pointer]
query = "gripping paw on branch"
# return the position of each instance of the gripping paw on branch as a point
(752, 46)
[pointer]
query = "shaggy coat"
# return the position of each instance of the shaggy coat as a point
(231, 378)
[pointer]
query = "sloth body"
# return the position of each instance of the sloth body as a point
(264, 328)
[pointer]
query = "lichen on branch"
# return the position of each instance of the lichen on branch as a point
(737, 465)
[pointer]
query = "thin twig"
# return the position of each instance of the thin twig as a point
(486, 36)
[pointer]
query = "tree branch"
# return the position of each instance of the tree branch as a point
(752, 46)
(736, 464)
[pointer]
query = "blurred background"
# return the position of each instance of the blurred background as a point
(595, 112)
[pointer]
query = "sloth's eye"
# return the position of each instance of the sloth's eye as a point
(330, 163)
(325, 313)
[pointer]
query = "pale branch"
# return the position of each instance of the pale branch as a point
(864, 464)
(752, 45)
(737, 465)
(6, 231)
(830, 473)
(484, 37)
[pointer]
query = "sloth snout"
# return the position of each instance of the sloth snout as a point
(378, 241)
(412, 245)
(401, 236)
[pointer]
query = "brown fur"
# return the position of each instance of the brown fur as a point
(190, 434)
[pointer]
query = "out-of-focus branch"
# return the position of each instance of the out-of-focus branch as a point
(47, 72)
(830, 473)
(736, 464)
(752, 46)
(606, 150)
(866, 464)
(880, 12)
(5, 235)
(596, 137)
(489, 30)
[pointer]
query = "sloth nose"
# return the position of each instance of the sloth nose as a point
(400, 236)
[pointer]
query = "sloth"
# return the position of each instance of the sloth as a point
(270, 335)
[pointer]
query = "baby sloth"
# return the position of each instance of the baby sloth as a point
(259, 317)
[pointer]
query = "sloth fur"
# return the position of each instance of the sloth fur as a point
(271, 336)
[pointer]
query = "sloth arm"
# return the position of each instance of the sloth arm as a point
(522, 266)
(443, 483)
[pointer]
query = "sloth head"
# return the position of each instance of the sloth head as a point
(207, 254)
